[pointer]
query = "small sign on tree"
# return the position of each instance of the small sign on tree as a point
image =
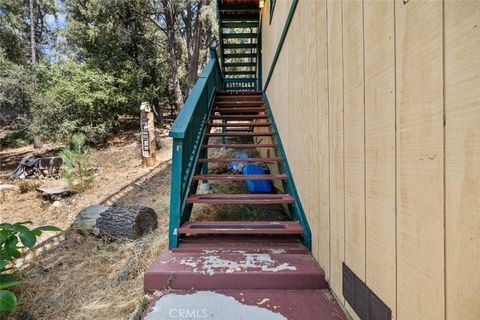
(147, 135)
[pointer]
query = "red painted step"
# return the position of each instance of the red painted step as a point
(238, 104)
(238, 110)
(240, 271)
(227, 198)
(221, 160)
(238, 134)
(241, 227)
(240, 177)
(240, 117)
(240, 145)
(279, 244)
(240, 124)
(239, 93)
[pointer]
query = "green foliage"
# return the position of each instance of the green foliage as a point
(77, 169)
(16, 90)
(74, 98)
(13, 239)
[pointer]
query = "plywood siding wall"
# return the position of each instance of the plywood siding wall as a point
(378, 107)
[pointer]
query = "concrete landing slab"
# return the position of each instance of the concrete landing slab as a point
(237, 271)
(246, 305)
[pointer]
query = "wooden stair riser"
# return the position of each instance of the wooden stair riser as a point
(240, 177)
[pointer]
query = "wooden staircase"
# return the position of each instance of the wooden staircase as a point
(238, 114)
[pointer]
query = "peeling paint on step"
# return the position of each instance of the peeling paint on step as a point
(210, 264)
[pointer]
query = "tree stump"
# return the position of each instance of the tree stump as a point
(127, 222)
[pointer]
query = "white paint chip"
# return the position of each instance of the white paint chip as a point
(210, 264)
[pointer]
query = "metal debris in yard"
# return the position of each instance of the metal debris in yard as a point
(37, 167)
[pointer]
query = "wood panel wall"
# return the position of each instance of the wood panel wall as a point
(378, 107)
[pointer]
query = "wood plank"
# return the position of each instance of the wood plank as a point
(241, 145)
(462, 158)
(238, 93)
(239, 134)
(240, 177)
(337, 197)
(239, 103)
(249, 124)
(323, 203)
(209, 160)
(240, 117)
(238, 110)
(380, 150)
(240, 198)
(354, 136)
(420, 210)
(241, 227)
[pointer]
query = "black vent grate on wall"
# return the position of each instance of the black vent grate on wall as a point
(363, 301)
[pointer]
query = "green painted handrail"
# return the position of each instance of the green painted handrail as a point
(188, 132)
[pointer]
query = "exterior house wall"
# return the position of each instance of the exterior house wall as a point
(378, 107)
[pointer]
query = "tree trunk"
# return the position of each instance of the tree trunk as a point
(170, 19)
(195, 49)
(33, 46)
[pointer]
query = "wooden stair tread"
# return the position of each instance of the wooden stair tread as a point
(238, 93)
(257, 198)
(245, 103)
(241, 227)
(239, 109)
(271, 159)
(239, 134)
(239, 124)
(241, 145)
(240, 177)
(240, 117)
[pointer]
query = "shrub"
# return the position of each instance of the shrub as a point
(27, 186)
(73, 98)
(77, 169)
(11, 235)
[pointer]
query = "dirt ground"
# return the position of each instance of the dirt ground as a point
(74, 276)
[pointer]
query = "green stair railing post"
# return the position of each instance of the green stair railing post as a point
(175, 194)
(188, 133)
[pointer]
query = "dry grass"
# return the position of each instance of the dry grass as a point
(73, 276)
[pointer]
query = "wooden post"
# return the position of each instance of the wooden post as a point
(147, 135)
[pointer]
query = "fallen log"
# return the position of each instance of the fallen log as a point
(120, 221)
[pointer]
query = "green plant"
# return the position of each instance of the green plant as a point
(25, 186)
(13, 239)
(76, 169)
